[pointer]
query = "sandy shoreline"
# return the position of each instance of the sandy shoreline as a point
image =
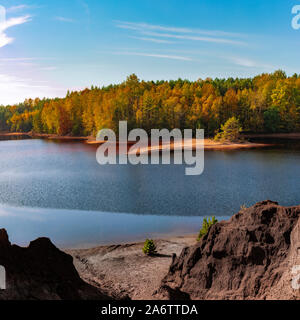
(124, 270)
(209, 144)
(192, 144)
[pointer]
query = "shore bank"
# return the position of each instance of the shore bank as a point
(249, 257)
(288, 136)
(209, 144)
(192, 144)
(42, 136)
(244, 258)
(124, 270)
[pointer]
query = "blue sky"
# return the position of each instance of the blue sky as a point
(48, 47)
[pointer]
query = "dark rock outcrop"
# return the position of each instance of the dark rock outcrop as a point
(41, 271)
(251, 256)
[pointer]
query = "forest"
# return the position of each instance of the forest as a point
(265, 103)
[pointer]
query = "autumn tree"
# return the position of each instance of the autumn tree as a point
(230, 131)
(267, 102)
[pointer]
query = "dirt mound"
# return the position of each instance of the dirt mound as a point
(251, 256)
(41, 271)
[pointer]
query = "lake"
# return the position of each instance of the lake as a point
(57, 189)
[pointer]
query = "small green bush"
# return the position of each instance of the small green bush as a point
(149, 247)
(243, 207)
(207, 223)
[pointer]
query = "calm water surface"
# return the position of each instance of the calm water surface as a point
(57, 189)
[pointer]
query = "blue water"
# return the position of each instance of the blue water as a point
(76, 201)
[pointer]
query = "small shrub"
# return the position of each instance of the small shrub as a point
(207, 223)
(243, 208)
(149, 247)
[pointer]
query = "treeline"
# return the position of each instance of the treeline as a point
(265, 103)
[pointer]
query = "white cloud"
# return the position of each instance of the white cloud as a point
(6, 24)
(9, 85)
(156, 32)
(244, 62)
(64, 19)
(145, 26)
(194, 38)
(14, 22)
(249, 63)
(23, 77)
(28, 62)
(16, 8)
(5, 40)
(152, 40)
(15, 89)
(153, 55)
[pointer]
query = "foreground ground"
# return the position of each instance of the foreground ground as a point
(123, 270)
(254, 255)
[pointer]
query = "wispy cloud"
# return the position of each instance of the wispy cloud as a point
(152, 39)
(32, 63)
(15, 21)
(194, 38)
(22, 77)
(6, 24)
(17, 8)
(154, 55)
(249, 63)
(145, 26)
(156, 32)
(25, 88)
(64, 19)
(11, 84)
